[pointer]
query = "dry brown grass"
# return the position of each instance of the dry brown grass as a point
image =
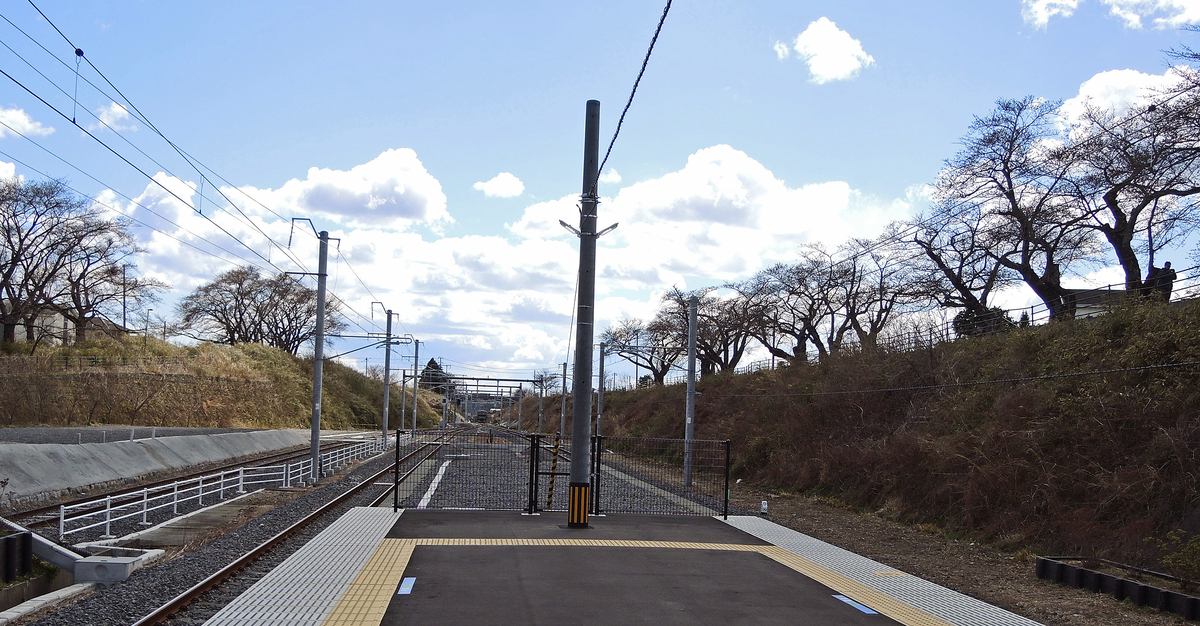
(247, 385)
(1087, 465)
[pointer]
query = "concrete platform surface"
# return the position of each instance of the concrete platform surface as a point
(471, 567)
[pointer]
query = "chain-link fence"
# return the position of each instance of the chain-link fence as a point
(493, 469)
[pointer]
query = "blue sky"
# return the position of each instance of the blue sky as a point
(758, 127)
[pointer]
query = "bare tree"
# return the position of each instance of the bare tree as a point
(724, 326)
(654, 346)
(240, 306)
(99, 276)
(882, 284)
(42, 224)
(545, 381)
(1137, 174)
(1008, 194)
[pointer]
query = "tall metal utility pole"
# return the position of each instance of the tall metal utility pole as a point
(600, 394)
(416, 379)
(690, 424)
(125, 293)
(562, 420)
(403, 395)
(319, 355)
(581, 416)
(387, 376)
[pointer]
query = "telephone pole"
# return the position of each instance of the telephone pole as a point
(690, 416)
(387, 376)
(600, 394)
(581, 416)
(319, 355)
(416, 380)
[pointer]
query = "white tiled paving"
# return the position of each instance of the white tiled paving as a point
(303, 590)
(936, 600)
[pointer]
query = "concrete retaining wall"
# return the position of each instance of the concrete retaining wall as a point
(38, 472)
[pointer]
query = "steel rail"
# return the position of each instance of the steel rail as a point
(383, 497)
(181, 601)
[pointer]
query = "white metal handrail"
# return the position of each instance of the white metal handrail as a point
(213, 486)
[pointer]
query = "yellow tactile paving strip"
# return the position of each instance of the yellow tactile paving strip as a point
(367, 599)
(368, 596)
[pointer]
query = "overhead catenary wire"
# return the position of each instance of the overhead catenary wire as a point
(187, 158)
(131, 200)
(193, 162)
(200, 194)
(136, 114)
(138, 169)
(131, 218)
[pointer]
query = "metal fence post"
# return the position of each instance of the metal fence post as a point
(145, 495)
(396, 470)
(175, 498)
(725, 511)
(201, 492)
(287, 475)
(598, 447)
(241, 480)
(533, 467)
(107, 515)
(62, 524)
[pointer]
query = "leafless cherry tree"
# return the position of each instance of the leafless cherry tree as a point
(241, 306)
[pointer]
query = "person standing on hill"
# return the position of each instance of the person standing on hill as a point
(1166, 279)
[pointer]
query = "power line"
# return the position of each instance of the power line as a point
(134, 166)
(101, 183)
(131, 218)
(187, 158)
(633, 92)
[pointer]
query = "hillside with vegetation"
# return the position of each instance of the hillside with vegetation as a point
(1010, 438)
(148, 382)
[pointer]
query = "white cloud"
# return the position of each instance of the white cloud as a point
(1039, 12)
(7, 170)
(18, 121)
(782, 51)
(1165, 13)
(392, 190)
(502, 185)
(112, 116)
(611, 176)
(1117, 90)
(507, 298)
(831, 53)
(722, 217)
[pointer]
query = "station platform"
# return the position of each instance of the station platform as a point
(373, 567)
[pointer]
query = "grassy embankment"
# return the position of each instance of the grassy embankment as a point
(247, 385)
(1079, 464)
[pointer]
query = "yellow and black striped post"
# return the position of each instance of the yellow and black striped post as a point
(577, 506)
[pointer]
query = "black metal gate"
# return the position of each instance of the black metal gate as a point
(634, 475)
(495, 469)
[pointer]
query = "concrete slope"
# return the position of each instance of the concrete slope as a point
(48, 471)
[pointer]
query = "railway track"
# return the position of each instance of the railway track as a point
(47, 515)
(206, 597)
